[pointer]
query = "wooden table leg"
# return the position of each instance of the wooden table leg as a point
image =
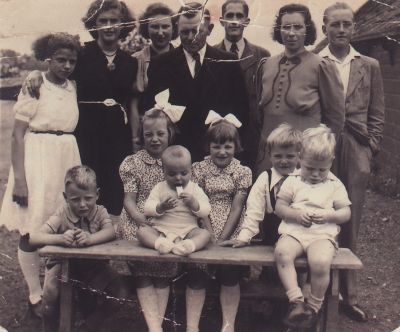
(332, 310)
(65, 298)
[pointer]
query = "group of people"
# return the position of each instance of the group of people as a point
(138, 122)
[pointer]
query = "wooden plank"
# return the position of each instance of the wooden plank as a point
(213, 254)
(65, 298)
(332, 315)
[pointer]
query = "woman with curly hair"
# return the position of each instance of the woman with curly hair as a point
(105, 76)
(43, 148)
(296, 86)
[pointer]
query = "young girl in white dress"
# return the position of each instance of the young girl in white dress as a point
(43, 148)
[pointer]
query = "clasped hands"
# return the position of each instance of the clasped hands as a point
(76, 238)
(172, 202)
(307, 217)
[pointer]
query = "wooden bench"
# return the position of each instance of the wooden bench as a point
(251, 255)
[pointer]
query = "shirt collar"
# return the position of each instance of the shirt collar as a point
(215, 170)
(326, 53)
(331, 176)
(296, 59)
(202, 54)
(146, 158)
(240, 45)
(275, 177)
(49, 85)
(74, 218)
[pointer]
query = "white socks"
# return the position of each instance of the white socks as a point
(229, 297)
(30, 264)
(163, 245)
(184, 248)
(295, 295)
(315, 303)
(194, 305)
(162, 296)
(149, 302)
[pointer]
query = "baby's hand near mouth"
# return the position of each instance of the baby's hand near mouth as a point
(179, 190)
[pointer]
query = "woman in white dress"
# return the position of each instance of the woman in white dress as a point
(43, 148)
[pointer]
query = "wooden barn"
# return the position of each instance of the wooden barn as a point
(378, 35)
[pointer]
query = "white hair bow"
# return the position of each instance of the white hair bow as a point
(213, 117)
(174, 112)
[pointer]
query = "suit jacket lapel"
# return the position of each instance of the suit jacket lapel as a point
(248, 56)
(357, 72)
(221, 46)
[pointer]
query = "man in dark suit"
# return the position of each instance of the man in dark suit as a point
(363, 131)
(198, 76)
(235, 17)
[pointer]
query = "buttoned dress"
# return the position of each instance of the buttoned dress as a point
(221, 185)
(302, 91)
(140, 173)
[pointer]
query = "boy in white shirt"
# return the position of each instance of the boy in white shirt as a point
(284, 145)
(312, 203)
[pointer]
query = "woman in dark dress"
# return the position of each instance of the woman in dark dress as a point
(104, 76)
(158, 24)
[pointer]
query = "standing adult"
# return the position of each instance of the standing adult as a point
(297, 86)
(198, 76)
(364, 101)
(234, 19)
(159, 24)
(104, 77)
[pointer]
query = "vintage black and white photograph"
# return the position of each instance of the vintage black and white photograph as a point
(199, 166)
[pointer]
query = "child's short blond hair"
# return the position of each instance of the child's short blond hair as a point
(284, 136)
(174, 152)
(83, 176)
(318, 143)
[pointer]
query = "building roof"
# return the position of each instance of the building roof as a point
(377, 19)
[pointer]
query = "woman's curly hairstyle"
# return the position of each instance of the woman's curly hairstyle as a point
(44, 47)
(155, 9)
(311, 32)
(100, 6)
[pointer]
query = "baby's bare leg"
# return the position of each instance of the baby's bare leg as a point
(200, 237)
(147, 236)
(196, 240)
(320, 255)
(152, 238)
(286, 251)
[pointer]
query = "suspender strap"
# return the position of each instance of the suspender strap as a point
(271, 190)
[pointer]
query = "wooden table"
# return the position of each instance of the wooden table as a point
(251, 255)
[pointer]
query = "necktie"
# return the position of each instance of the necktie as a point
(197, 65)
(84, 223)
(234, 49)
(275, 190)
(278, 185)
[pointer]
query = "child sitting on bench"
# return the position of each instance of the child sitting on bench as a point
(80, 222)
(312, 203)
(175, 205)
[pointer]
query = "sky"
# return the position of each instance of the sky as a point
(22, 21)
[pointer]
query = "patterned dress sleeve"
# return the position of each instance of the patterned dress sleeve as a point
(198, 174)
(243, 179)
(130, 173)
(25, 107)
